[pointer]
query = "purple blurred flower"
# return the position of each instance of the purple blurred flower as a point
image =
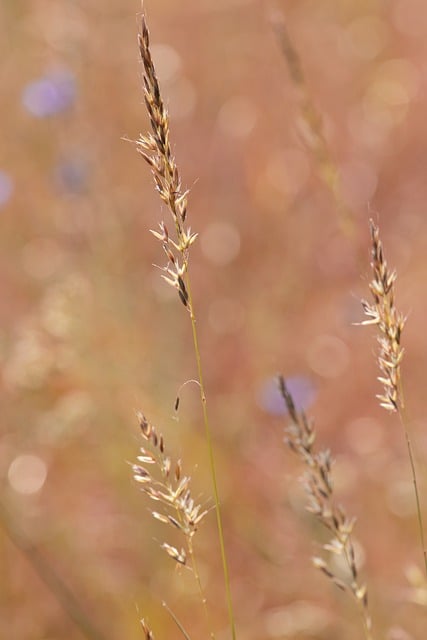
(71, 175)
(270, 399)
(6, 187)
(49, 95)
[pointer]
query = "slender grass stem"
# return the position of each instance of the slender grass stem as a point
(366, 621)
(196, 573)
(177, 622)
(404, 421)
(156, 149)
(364, 612)
(211, 455)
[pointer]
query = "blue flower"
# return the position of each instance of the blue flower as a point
(6, 187)
(270, 399)
(50, 94)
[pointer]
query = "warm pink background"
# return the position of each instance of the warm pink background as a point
(89, 334)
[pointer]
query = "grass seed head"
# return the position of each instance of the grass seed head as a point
(156, 150)
(167, 487)
(383, 313)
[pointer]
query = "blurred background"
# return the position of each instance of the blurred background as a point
(89, 334)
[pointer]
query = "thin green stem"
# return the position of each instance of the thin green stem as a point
(211, 463)
(403, 417)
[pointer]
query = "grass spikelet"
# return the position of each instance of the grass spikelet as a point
(169, 489)
(317, 481)
(155, 148)
(383, 313)
(162, 480)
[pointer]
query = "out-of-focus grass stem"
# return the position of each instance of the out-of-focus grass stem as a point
(404, 421)
(50, 577)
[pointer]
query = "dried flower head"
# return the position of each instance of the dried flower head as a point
(390, 322)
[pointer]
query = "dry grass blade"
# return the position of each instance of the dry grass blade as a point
(300, 438)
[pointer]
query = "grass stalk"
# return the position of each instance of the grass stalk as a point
(383, 313)
(155, 148)
(403, 418)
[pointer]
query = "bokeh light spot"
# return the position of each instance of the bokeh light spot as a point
(220, 243)
(365, 38)
(298, 618)
(328, 356)
(365, 435)
(27, 474)
(226, 315)
(287, 170)
(237, 117)
(400, 498)
(395, 84)
(6, 187)
(167, 60)
(183, 98)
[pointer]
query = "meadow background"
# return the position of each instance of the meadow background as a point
(89, 334)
